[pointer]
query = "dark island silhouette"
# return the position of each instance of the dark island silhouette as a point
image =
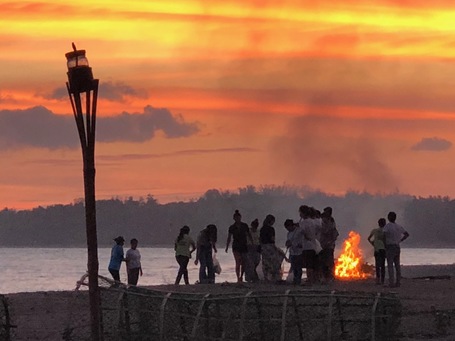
(157, 224)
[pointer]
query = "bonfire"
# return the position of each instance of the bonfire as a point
(349, 264)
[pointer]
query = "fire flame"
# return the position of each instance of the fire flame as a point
(349, 264)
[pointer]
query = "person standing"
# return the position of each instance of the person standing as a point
(240, 234)
(376, 238)
(309, 243)
(116, 258)
(183, 253)
(328, 237)
(206, 242)
(294, 243)
(133, 263)
(394, 234)
(272, 257)
(254, 251)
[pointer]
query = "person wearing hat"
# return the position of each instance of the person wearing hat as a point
(117, 257)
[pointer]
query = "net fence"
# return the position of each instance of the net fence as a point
(6, 327)
(134, 313)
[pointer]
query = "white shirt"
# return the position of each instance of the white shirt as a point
(393, 233)
(133, 259)
(296, 238)
(309, 228)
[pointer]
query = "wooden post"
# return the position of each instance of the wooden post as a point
(86, 130)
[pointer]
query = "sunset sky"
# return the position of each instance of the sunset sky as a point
(196, 95)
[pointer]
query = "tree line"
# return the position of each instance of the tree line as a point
(430, 221)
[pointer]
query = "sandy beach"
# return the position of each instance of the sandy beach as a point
(426, 295)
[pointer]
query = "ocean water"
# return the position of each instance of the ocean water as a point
(53, 269)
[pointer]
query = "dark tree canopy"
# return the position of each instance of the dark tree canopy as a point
(430, 221)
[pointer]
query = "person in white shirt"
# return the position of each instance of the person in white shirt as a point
(309, 243)
(394, 234)
(294, 243)
(133, 263)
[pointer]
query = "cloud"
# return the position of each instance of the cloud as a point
(114, 92)
(142, 127)
(432, 144)
(36, 127)
(118, 92)
(39, 127)
(187, 152)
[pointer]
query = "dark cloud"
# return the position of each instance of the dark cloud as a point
(115, 92)
(118, 92)
(142, 127)
(432, 144)
(39, 127)
(187, 152)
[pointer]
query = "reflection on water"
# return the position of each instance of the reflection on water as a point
(49, 269)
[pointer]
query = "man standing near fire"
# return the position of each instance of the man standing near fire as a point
(376, 238)
(328, 237)
(394, 234)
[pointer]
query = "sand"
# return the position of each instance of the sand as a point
(426, 294)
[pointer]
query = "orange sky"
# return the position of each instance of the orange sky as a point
(196, 95)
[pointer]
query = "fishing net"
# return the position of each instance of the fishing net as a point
(5, 320)
(135, 313)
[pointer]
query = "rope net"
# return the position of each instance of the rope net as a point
(135, 313)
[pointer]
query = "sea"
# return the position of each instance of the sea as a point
(57, 269)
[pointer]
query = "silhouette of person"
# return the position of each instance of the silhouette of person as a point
(272, 256)
(240, 234)
(133, 263)
(116, 258)
(206, 242)
(394, 234)
(310, 257)
(183, 253)
(294, 242)
(254, 252)
(327, 238)
(376, 238)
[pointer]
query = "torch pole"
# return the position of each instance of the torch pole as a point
(86, 130)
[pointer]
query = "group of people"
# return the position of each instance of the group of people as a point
(132, 259)
(386, 239)
(310, 244)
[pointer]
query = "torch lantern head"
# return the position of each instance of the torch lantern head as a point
(80, 75)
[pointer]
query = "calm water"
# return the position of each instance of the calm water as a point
(49, 269)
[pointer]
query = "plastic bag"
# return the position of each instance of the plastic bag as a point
(216, 265)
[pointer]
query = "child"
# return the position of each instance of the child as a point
(133, 263)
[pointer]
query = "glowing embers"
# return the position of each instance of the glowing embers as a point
(349, 264)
